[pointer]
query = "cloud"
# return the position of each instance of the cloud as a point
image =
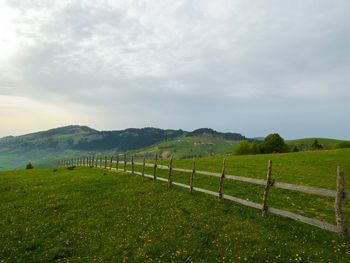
(243, 66)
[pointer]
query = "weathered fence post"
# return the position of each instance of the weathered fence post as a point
(96, 161)
(132, 165)
(105, 162)
(124, 162)
(143, 166)
(155, 168)
(221, 181)
(192, 174)
(111, 163)
(269, 183)
(339, 217)
(117, 165)
(169, 171)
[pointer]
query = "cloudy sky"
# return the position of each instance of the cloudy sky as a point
(246, 66)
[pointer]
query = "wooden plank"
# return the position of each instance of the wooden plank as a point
(205, 191)
(242, 201)
(339, 217)
(181, 185)
(306, 220)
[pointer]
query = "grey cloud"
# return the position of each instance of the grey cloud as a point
(248, 67)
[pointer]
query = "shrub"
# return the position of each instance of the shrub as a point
(255, 149)
(71, 167)
(243, 148)
(29, 166)
(342, 145)
(316, 145)
(274, 143)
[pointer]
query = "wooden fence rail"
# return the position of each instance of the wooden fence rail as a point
(339, 195)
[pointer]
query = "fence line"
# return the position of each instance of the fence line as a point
(339, 194)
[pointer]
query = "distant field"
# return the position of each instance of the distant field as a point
(95, 215)
(188, 147)
(307, 142)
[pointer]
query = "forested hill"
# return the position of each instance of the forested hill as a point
(83, 138)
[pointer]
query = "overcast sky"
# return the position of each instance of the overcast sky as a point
(252, 67)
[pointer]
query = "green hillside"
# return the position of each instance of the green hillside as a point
(94, 215)
(327, 143)
(189, 146)
(45, 148)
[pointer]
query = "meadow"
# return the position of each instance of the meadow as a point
(88, 214)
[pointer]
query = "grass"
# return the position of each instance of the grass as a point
(189, 146)
(306, 143)
(85, 215)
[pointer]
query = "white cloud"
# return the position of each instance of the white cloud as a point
(181, 64)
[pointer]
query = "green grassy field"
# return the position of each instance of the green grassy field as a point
(189, 146)
(306, 143)
(87, 215)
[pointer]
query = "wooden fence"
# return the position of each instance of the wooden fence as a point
(339, 195)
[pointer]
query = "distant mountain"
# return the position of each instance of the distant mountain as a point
(44, 147)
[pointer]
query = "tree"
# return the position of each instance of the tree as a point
(29, 166)
(243, 148)
(274, 143)
(255, 147)
(316, 145)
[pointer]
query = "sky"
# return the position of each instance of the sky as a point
(248, 66)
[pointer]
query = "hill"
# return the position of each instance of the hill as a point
(326, 143)
(86, 213)
(46, 147)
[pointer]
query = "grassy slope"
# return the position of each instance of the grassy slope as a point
(190, 146)
(316, 169)
(84, 215)
(307, 142)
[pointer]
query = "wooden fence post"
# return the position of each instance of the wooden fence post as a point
(169, 171)
(221, 180)
(132, 165)
(101, 161)
(117, 165)
(192, 174)
(111, 163)
(105, 162)
(269, 183)
(339, 217)
(143, 166)
(124, 162)
(96, 161)
(155, 168)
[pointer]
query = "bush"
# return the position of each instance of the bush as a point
(255, 149)
(243, 148)
(342, 145)
(274, 143)
(71, 167)
(316, 145)
(29, 166)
